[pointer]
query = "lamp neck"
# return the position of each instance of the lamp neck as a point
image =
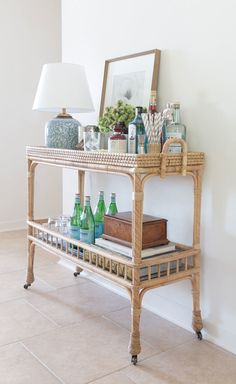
(63, 114)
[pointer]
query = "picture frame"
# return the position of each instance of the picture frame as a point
(131, 79)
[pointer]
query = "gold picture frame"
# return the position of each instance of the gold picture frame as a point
(130, 78)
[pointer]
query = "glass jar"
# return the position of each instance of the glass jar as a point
(117, 142)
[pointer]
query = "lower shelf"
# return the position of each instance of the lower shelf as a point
(153, 271)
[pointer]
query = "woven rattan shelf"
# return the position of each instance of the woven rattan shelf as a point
(137, 275)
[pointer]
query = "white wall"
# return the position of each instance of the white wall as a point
(30, 35)
(198, 62)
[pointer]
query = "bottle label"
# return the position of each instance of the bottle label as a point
(74, 232)
(87, 236)
(174, 148)
(117, 146)
(132, 138)
(99, 229)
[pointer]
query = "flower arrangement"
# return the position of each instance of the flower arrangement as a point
(121, 112)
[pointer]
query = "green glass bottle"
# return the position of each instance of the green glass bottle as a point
(75, 218)
(99, 213)
(112, 209)
(87, 225)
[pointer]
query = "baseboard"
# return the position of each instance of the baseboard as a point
(224, 339)
(6, 226)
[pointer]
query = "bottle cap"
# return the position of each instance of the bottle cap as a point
(113, 194)
(139, 109)
(87, 198)
(101, 193)
(175, 105)
(77, 196)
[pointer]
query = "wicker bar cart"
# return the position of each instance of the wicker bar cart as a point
(137, 275)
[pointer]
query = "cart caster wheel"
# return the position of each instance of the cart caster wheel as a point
(27, 285)
(134, 359)
(199, 335)
(76, 274)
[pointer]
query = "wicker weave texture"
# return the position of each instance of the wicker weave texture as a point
(118, 159)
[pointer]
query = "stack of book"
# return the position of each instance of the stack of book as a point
(127, 251)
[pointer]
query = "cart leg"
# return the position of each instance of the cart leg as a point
(77, 271)
(30, 270)
(197, 318)
(134, 344)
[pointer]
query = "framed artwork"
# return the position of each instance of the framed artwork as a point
(130, 79)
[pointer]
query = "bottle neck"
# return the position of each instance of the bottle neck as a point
(87, 202)
(113, 198)
(77, 200)
(101, 196)
(153, 102)
(176, 116)
(138, 111)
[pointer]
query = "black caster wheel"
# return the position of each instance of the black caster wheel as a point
(76, 274)
(27, 285)
(134, 359)
(199, 335)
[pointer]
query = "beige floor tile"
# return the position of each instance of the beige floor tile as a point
(114, 378)
(196, 362)
(81, 353)
(77, 303)
(12, 286)
(155, 330)
(16, 259)
(18, 366)
(20, 320)
(57, 276)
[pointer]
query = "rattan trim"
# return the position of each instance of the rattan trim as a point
(127, 160)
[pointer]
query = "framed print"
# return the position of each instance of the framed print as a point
(130, 79)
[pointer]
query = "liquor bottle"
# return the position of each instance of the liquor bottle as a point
(167, 118)
(153, 102)
(99, 213)
(75, 218)
(117, 143)
(87, 225)
(136, 128)
(112, 209)
(175, 129)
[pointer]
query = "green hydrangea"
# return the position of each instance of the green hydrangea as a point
(119, 112)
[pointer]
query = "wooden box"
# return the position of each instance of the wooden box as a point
(118, 228)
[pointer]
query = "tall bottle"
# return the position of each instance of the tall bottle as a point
(153, 102)
(112, 209)
(87, 225)
(175, 129)
(167, 118)
(137, 138)
(75, 218)
(99, 213)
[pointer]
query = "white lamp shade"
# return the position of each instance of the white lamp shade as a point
(63, 85)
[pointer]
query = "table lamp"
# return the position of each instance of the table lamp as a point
(62, 88)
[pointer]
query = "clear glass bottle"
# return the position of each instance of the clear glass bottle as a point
(74, 227)
(112, 209)
(87, 225)
(117, 143)
(99, 213)
(136, 128)
(175, 129)
(167, 118)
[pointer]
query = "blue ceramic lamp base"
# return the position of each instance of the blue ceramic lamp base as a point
(62, 132)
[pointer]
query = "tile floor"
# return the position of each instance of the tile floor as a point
(70, 330)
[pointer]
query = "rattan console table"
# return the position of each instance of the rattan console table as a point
(136, 275)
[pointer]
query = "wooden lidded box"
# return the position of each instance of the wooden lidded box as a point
(118, 228)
